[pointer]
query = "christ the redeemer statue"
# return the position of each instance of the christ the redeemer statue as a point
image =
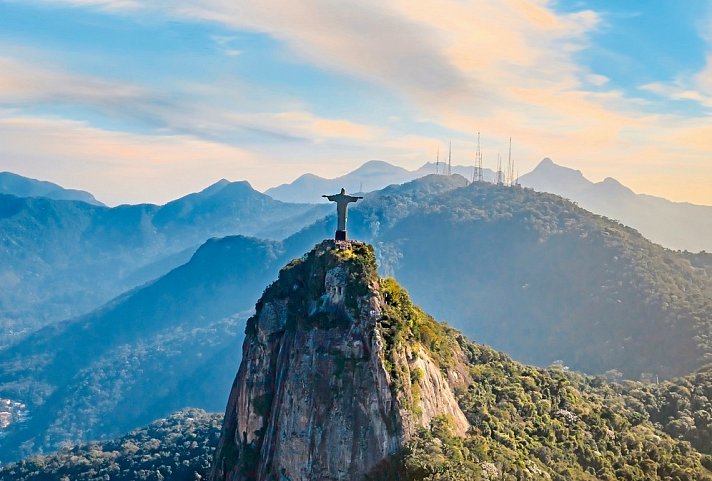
(342, 200)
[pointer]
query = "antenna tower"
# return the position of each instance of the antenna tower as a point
(449, 160)
(510, 166)
(500, 175)
(477, 171)
(437, 161)
(480, 173)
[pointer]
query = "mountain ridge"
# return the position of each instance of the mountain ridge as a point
(676, 225)
(59, 259)
(21, 186)
(370, 176)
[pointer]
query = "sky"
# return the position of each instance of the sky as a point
(145, 101)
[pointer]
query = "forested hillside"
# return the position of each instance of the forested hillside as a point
(682, 407)
(543, 424)
(540, 278)
(528, 273)
(546, 279)
(676, 225)
(527, 424)
(178, 448)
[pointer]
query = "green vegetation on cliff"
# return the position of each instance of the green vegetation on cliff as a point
(529, 423)
(301, 283)
(401, 323)
(543, 424)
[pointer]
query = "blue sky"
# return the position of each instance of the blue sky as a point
(148, 100)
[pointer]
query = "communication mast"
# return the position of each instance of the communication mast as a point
(474, 166)
(449, 160)
(437, 161)
(510, 166)
(477, 171)
(480, 172)
(500, 174)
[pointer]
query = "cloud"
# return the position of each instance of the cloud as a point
(117, 165)
(690, 86)
(184, 111)
(25, 82)
(224, 44)
(120, 166)
(695, 87)
(108, 5)
(504, 67)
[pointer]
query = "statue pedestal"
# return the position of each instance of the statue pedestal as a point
(340, 235)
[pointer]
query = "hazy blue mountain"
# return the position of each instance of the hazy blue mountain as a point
(677, 225)
(156, 348)
(371, 176)
(529, 273)
(59, 259)
(20, 186)
(172, 343)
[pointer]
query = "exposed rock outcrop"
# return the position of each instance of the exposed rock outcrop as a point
(330, 383)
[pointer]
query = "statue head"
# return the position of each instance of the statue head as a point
(343, 191)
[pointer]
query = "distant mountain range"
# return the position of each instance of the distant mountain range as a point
(371, 176)
(20, 186)
(59, 259)
(529, 273)
(677, 225)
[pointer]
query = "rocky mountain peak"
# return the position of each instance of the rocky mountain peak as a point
(339, 370)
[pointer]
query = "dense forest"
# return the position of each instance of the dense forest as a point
(178, 448)
(527, 424)
(681, 407)
(538, 277)
(531, 423)
(530, 274)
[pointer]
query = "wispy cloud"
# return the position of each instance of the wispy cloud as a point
(118, 165)
(504, 67)
(185, 112)
(24, 82)
(109, 5)
(224, 44)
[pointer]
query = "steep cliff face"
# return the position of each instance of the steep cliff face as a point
(338, 371)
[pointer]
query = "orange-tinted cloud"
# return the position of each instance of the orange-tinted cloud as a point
(504, 67)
